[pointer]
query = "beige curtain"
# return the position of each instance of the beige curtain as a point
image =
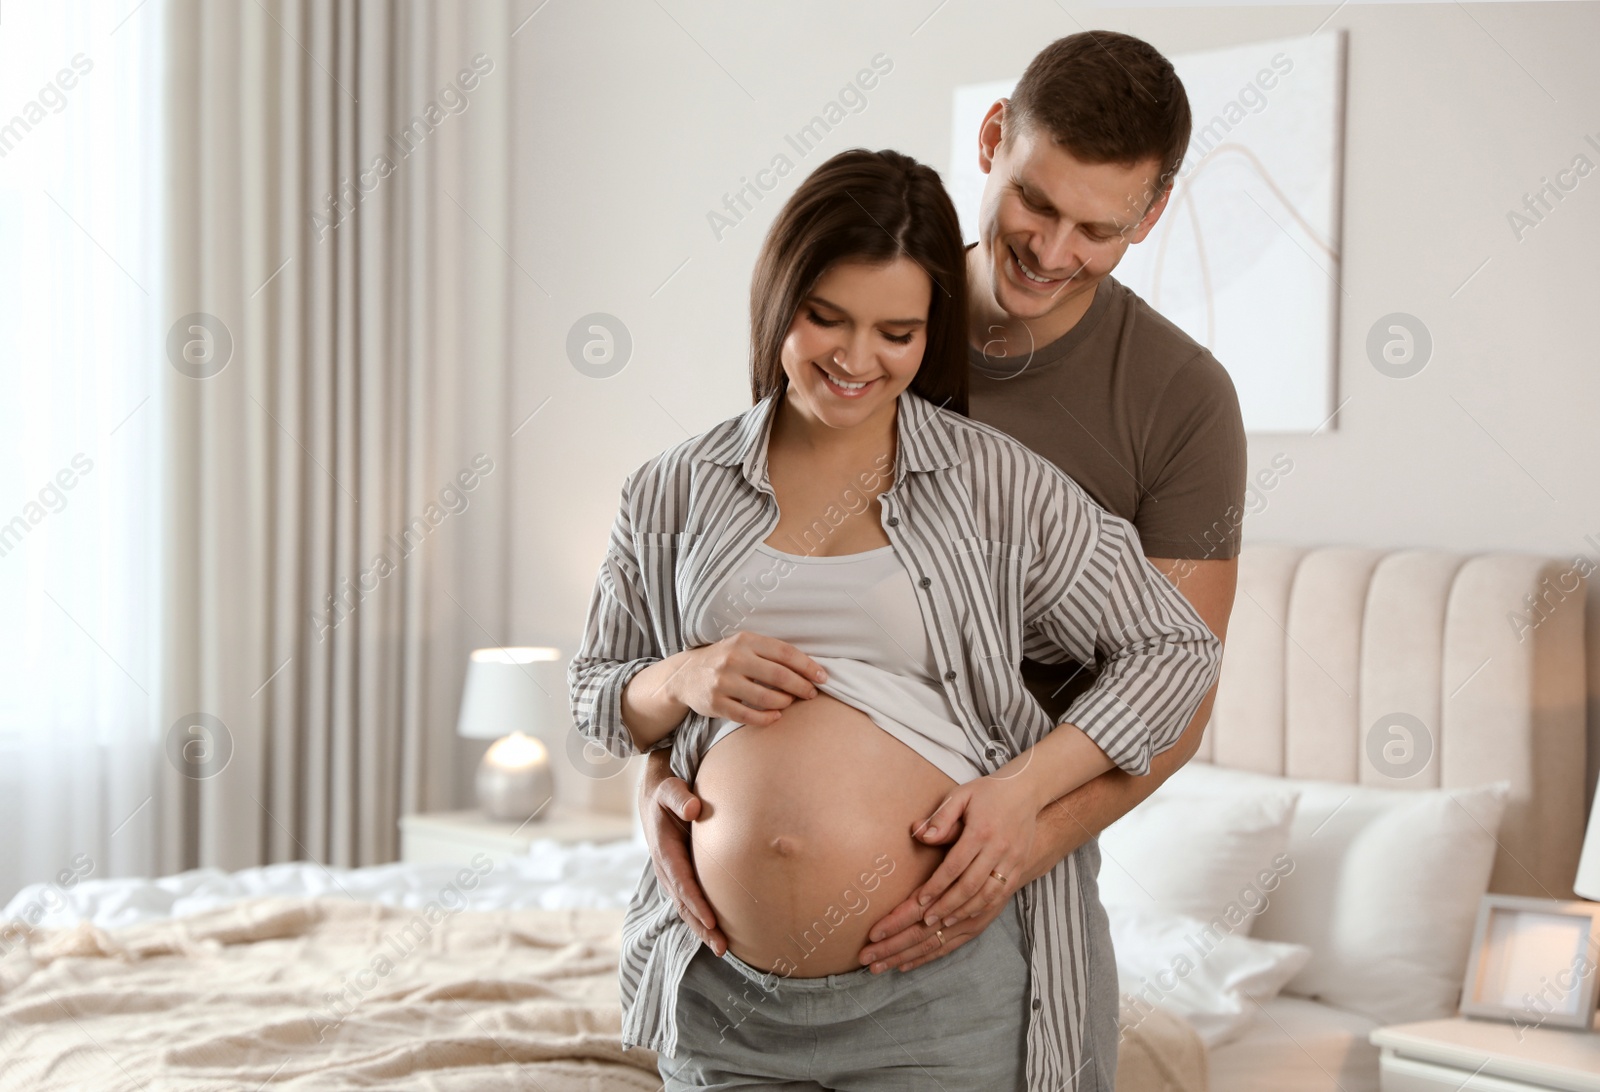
(339, 210)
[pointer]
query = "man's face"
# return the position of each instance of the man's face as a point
(1053, 226)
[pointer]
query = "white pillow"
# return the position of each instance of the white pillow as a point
(1384, 888)
(1182, 852)
(1166, 960)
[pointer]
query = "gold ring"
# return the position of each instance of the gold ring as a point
(997, 876)
(940, 934)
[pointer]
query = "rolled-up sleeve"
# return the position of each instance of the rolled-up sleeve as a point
(618, 643)
(1158, 656)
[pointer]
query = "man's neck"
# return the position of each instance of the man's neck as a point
(997, 333)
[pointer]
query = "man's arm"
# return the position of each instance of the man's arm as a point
(902, 941)
(1069, 821)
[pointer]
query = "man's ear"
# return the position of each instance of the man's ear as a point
(990, 132)
(1148, 224)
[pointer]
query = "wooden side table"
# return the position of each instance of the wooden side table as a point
(454, 837)
(1464, 1054)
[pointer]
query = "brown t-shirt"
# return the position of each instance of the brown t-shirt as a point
(1143, 418)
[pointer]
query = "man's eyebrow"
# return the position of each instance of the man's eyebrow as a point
(1110, 227)
(814, 298)
(1034, 195)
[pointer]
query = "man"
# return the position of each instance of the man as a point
(1080, 163)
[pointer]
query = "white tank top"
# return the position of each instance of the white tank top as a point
(857, 616)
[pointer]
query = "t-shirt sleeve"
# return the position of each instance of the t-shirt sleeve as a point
(1193, 504)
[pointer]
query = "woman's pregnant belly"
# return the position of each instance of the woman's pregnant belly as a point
(804, 839)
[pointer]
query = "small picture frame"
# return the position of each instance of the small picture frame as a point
(1534, 961)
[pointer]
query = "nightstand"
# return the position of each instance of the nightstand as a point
(1463, 1054)
(453, 837)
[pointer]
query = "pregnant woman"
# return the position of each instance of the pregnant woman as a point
(821, 606)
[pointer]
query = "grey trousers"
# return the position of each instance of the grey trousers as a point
(959, 1022)
(1102, 1032)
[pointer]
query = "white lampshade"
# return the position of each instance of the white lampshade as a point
(1587, 885)
(514, 690)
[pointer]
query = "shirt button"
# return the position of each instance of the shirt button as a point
(894, 521)
(949, 676)
(925, 582)
(1037, 1004)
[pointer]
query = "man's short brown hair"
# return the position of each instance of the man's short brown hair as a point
(1106, 98)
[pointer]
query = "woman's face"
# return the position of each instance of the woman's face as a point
(857, 340)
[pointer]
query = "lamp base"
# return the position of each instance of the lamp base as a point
(513, 794)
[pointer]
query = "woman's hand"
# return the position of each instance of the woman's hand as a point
(963, 897)
(747, 678)
(998, 819)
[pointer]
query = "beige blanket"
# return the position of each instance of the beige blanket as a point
(1159, 1052)
(332, 994)
(326, 994)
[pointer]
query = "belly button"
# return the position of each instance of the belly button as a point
(785, 846)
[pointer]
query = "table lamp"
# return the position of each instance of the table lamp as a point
(510, 697)
(1587, 883)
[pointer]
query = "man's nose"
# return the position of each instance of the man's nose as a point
(1052, 249)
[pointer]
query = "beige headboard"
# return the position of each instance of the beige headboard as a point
(1325, 643)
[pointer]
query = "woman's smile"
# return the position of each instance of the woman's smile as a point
(843, 388)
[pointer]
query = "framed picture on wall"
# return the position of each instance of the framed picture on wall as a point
(1534, 961)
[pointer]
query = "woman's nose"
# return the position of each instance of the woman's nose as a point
(853, 356)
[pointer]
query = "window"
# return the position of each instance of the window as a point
(81, 360)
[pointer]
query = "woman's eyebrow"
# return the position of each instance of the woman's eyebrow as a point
(882, 322)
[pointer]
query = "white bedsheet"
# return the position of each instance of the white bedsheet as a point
(553, 876)
(1297, 1045)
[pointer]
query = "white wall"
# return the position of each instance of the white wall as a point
(633, 126)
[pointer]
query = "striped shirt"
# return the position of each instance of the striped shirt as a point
(1012, 559)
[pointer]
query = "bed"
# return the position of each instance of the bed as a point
(272, 977)
(1322, 644)
(503, 975)
(492, 975)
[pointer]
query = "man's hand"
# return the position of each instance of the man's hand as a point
(667, 806)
